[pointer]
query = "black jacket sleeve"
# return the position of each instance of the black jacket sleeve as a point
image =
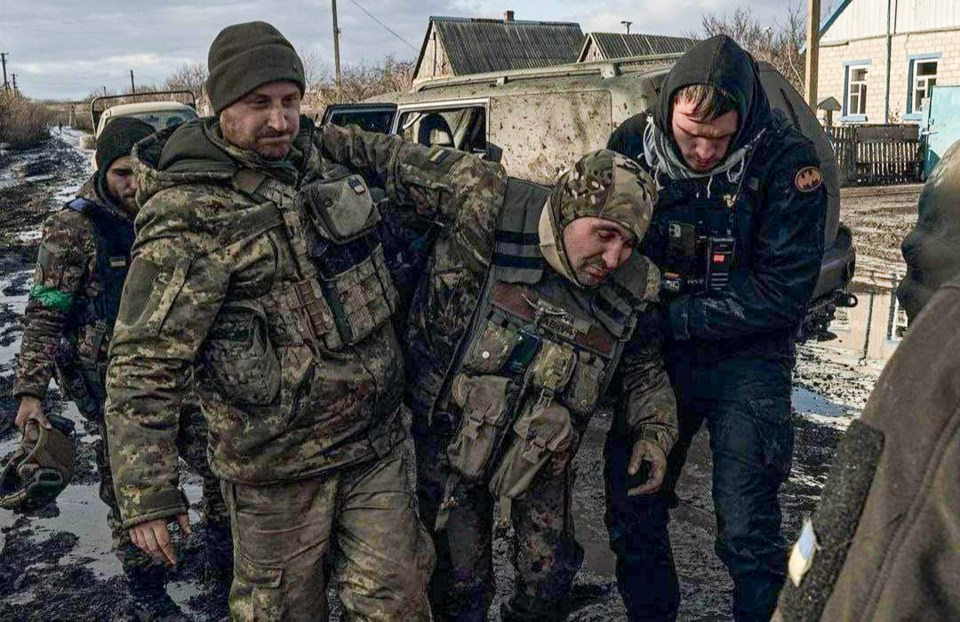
(787, 253)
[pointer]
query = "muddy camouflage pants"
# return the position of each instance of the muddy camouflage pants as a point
(192, 444)
(287, 539)
(546, 555)
(746, 408)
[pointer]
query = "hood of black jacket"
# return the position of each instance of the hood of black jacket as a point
(723, 64)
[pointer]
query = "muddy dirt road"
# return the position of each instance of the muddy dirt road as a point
(56, 563)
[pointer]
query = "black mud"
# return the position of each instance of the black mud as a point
(42, 576)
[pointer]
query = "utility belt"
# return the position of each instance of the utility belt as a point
(81, 369)
(344, 290)
(696, 263)
(530, 375)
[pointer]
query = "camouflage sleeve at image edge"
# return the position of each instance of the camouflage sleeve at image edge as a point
(458, 189)
(177, 281)
(66, 259)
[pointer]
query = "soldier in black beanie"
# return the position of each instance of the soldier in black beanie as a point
(248, 245)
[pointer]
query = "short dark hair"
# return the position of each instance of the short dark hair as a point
(709, 102)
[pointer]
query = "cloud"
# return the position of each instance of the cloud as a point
(65, 49)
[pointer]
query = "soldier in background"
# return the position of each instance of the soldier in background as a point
(259, 266)
(68, 324)
(514, 334)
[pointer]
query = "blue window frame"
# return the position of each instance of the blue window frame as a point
(922, 75)
(855, 91)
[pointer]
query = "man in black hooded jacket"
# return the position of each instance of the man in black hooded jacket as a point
(738, 234)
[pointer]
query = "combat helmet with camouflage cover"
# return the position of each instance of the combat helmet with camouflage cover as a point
(602, 184)
(40, 468)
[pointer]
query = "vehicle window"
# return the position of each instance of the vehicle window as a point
(369, 120)
(163, 120)
(460, 128)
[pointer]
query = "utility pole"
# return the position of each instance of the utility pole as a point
(813, 51)
(133, 87)
(3, 59)
(16, 91)
(626, 25)
(336, 41)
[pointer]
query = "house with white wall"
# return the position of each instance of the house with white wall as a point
(879, 58)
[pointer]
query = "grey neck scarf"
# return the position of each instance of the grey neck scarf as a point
(661, 158)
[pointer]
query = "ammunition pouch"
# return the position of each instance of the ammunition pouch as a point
(361, 296)
(40, 468)
(543, 430)
(484, 402)
(341, 210)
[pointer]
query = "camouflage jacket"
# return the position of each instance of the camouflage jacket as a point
(209, 287)
(466, 195)
(65, 277)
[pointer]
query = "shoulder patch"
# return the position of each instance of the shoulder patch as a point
(808, 179)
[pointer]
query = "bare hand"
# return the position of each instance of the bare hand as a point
(30, 408)
(154, 538)
(649, 452)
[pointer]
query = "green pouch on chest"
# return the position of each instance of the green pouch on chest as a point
(543, 430)
(483, 400)
(341, 210)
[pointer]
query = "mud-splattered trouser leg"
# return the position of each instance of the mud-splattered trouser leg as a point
(646, 576)
(285, 537)
(752, 444)
(546, 555)
(751, 439)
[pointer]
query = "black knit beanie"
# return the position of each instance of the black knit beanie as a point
(118, 138)
(245, 56)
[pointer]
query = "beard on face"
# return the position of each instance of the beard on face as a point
(234, 133)
(592, 271)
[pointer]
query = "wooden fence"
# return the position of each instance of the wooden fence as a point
(877, 154)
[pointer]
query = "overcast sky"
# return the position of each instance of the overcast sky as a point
(66, 49)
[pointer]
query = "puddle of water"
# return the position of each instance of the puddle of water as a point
(808, 403)
(183, 591)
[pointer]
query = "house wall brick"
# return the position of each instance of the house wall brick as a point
(831, 78)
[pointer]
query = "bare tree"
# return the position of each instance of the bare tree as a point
(189, 76)
(778, 44)
(362, 82)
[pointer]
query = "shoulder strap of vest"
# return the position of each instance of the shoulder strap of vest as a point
(263, 188)
(517, 256)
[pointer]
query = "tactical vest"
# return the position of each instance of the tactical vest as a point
(344, 290)
(114, 237)
(538, 355)
(81, 355)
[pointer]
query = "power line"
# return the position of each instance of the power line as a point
(387, 28)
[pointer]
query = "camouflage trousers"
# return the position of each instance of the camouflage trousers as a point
(360, 520)
(546, 555)
(192, 444)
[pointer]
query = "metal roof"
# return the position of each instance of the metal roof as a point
(482, 45)
(618, 45)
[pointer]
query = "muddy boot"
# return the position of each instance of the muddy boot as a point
(148, 594)
(218, 566)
